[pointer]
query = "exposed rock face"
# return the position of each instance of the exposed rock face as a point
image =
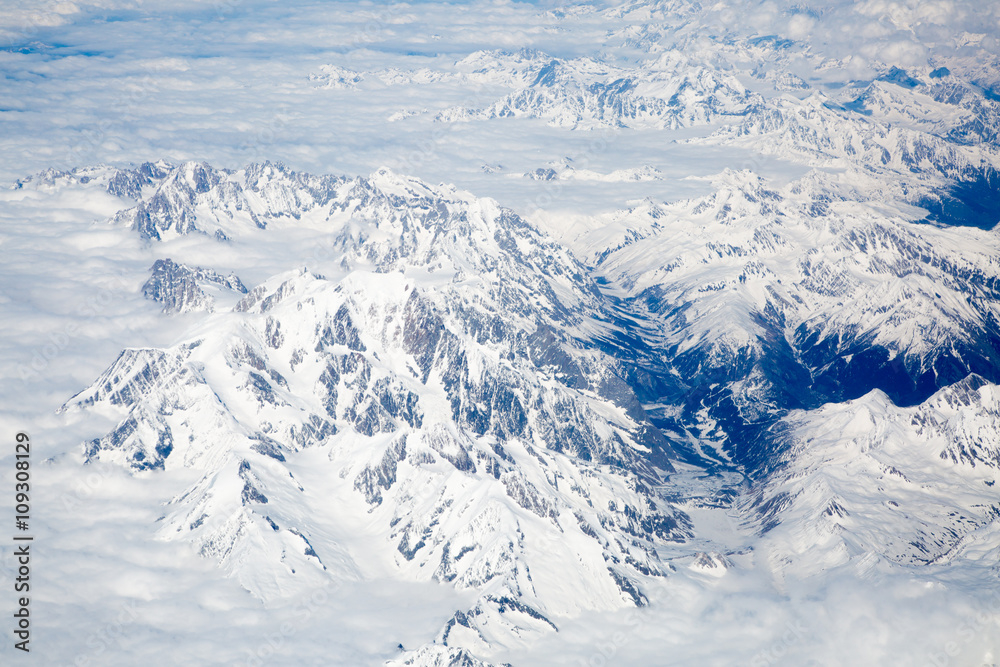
(769, 300)
(493, 412)
(197, 198)
(179, 287)
(487, 409)
(470, 392)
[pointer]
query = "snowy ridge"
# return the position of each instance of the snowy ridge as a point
(668, 91)
(181, 288)
(815, 131)
(443, 386)
(583, 93)
(867, 481)
(195, 197)
(771, 291)
(565, 170)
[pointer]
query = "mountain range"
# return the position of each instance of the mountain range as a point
(458, 398)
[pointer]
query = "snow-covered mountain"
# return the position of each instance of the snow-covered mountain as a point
(482, 409)
(566, 170)
(867, 482)
(669, 92)
(772, 299)
(457, 385)
(181, 288)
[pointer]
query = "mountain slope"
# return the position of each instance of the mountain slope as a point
(866, 481)
(769, 299)
(458, 389)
